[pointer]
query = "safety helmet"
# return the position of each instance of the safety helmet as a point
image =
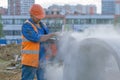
(37, 11)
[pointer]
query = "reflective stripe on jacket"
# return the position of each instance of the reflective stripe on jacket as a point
(30, 50)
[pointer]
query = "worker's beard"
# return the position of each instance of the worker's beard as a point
(36, 21)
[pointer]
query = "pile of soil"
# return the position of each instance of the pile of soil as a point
(10, 75)
(7, 57)
(8, 52)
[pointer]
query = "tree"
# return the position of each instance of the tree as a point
(1, 27)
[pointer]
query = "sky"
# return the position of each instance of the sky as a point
(46, 3)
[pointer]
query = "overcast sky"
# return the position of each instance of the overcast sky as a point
(46, 3)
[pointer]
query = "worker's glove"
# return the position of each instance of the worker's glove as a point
(57, 33)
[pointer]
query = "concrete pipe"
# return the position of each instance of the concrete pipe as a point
(92, 59)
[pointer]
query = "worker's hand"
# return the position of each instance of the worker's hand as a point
(57, 33)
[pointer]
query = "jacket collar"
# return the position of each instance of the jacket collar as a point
(31, 20)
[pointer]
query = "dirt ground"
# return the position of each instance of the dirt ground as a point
(7, 60)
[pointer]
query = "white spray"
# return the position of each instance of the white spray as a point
(78, 64)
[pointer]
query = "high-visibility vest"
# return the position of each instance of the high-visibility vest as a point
(30, 50)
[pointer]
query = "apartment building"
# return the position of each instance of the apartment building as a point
(82, 22)
(3, 11)
(19, 7)
(12, 24)
(108, 7)
(70, 9)
(25, 5)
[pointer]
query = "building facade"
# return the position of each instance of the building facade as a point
(19, 7)
(25, 5)
(77, 17)
(108, 7)
(117, 7)
(117, 12)
(70, 9)
(82, 22)
(14, 7)
(12, 24)
(3, 11)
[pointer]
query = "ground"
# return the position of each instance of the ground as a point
(7, 59)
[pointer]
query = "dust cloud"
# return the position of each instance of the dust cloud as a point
(89, 55)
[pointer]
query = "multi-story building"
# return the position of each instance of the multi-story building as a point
(25, 5)
(12, 24)
(19, 7)
(81, 22)
(91, 9)
(62, 16)
(3, 11)
(14, 7)
(70, 9)
(111, 7)
(117, 12)
(108, 7)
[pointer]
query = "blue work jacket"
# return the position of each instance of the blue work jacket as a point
(30, 34)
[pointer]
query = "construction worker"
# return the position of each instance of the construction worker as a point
(34, 33)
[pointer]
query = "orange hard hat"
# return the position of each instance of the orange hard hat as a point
(37, 11)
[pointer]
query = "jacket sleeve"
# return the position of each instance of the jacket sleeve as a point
(29, 33)
(46, 29)
(44, 26)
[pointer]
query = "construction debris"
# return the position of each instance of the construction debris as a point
(9, 51)
(10, 61)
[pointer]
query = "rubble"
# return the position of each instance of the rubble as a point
(10, 62)
(9, 51)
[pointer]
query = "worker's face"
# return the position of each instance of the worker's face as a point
(36, 20)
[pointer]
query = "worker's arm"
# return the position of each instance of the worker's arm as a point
(29, 33)
(32, 35)
(46, 37)
(45, 28)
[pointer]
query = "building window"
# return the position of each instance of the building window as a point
(7, 21)
(12, 32)
(13, 21)
(76, 21)
(69, 21)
